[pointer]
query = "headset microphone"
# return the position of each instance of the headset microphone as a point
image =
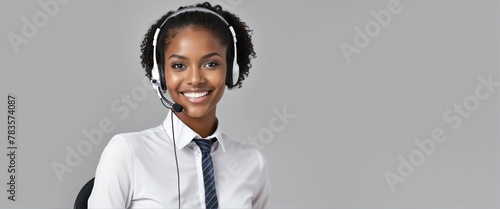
(177, 107)
(174, 106)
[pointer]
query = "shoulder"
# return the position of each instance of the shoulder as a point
(125, 143)
(136, 137)
(140, 135)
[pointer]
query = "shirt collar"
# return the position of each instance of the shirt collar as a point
(183, 134)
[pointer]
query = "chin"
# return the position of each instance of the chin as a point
(197, 112)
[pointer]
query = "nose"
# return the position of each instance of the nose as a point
(195, 76)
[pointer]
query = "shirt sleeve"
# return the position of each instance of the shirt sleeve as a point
(113, 184)
(262, 189)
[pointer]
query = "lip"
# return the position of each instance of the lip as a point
(196, 96)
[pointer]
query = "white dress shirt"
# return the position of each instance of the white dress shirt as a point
(137, 170)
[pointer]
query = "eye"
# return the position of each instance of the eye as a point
(211, 64)
(178, 66)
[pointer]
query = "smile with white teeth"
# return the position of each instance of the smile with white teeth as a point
(195, 95)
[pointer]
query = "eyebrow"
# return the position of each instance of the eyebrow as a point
(185, 58)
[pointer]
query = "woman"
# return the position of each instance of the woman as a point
(187, 162)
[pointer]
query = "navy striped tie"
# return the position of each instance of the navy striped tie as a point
(208, 172)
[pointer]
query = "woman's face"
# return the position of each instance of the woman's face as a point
(195, 71)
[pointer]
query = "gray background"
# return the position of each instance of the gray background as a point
(352, 120)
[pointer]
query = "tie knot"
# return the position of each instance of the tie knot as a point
(205, 144)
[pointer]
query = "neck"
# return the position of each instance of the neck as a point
(203, 126)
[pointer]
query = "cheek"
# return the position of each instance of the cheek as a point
(218, 78)
(172, 80)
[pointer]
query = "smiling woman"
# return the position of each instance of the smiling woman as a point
(193, 54)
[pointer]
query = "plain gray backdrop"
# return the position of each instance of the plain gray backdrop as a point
(352, 120)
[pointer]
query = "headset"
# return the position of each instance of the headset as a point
(158, 72)
(159, 83)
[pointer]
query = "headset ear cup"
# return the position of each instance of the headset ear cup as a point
(232, 76)
(236, 74)
(163, 82)
(229, 74)
(233, 69)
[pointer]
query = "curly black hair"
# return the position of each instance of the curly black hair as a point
(206, 21)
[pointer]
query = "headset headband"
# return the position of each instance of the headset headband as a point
(194, 9)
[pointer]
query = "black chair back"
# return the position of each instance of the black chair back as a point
(83, 195)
